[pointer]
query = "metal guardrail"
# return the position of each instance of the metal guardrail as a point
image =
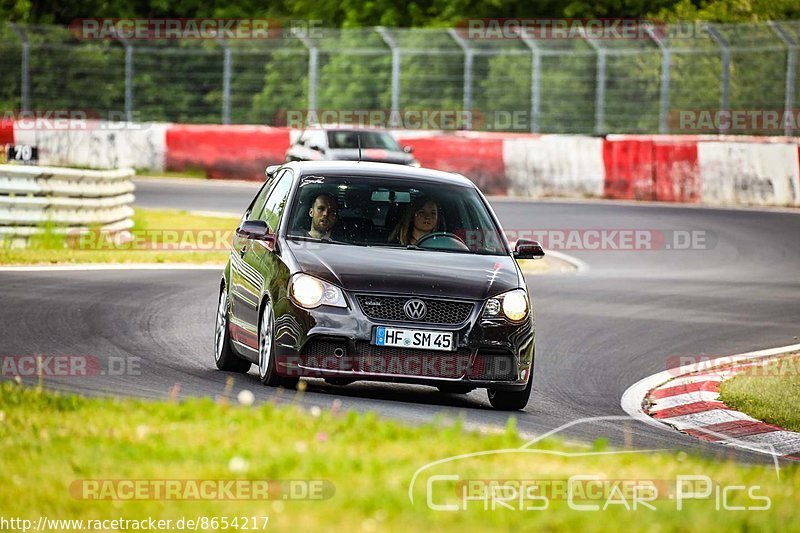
(32, 197)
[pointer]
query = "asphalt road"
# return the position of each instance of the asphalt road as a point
(599, 331)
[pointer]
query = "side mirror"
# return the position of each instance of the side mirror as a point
(257, 230)
(528, 250)
(408, 149)
(270, 170)
(252, 229)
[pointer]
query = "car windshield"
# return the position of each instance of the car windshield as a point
(369, 139)
(400, 213)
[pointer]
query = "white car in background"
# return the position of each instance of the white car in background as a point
(342, 144)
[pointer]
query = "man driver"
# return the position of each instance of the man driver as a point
(323, 214)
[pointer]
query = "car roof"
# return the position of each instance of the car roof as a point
(365, 169)
(336, 127)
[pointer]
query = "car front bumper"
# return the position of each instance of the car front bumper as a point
(336, 343)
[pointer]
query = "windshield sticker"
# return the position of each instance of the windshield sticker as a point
(311, 179)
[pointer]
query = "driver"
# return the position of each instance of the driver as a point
(421, 218)
(323, 215)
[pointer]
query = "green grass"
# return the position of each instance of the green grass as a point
(161, 236)
(50, 440)
(770, 393)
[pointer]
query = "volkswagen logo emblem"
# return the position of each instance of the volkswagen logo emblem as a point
(415, 309)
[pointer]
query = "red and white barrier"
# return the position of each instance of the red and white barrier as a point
(6, 132)
(747, 173)
(554, 165)
(642, 167)
(477, 157)
(226, 152)
(98, 144)
(714, 170)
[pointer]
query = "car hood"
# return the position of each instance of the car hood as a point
(403, 271)
(371, 154)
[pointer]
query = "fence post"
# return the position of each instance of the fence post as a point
(666, 57)
(469, 56)
(791, 64)
(600, 85)
(313, 67)
(25, 71)
(392, 44)
(128, 81)
(536, 80)
(725, 81)
(227, 60)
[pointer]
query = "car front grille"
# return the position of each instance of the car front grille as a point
(322, 354)
(494, 367)
(445, 312)
(329, 354)
(402, 361)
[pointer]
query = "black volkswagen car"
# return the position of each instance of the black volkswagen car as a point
(353, 271)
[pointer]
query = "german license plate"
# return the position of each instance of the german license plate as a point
(415, 338)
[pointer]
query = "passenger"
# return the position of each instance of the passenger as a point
(421, 218)
(323, 215)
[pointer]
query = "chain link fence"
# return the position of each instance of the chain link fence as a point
(670, 81)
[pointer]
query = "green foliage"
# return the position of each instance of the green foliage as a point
(419, 13)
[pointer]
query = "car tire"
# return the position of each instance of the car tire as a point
(455, 388)
(267, 367)
(224, 356)
(503, 400)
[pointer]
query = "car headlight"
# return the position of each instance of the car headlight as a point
(513, 305)
(310, 292)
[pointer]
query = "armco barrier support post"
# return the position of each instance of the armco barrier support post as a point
(392, 44)
(726, 71)
(468, 61)
(791, 65)
(25, 72)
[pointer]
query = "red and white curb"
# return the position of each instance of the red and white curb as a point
(687, 399)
